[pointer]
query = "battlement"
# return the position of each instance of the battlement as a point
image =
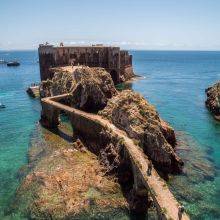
(117, 62)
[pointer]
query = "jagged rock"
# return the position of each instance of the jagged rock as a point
(90, 88)
(213, 99)
(94, 87)
(168, 132)
(127, 74)
(61, 83)
(131, 112)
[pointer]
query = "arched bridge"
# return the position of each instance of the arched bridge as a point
(166, 204)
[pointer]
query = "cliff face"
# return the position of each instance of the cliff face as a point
(90, 88)
(61, 83)
(132, 113)
(127, 74)
(93, 89)
(213, 100)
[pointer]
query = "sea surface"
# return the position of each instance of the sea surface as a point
(174, 81)
(17, 120)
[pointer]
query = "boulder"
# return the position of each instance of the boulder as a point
(132, 113)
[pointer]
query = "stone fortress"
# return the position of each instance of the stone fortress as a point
(124, 131)
(116, 61)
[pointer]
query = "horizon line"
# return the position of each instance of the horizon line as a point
(130, 49)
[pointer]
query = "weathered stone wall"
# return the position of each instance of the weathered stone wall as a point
(112, 59)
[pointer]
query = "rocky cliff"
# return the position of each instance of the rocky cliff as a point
(90, 88)
(213, 100)
(128, 74)
(131, 112)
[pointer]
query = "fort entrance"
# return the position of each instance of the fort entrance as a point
(114, 76)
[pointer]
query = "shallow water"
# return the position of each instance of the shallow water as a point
(173, 81)
(17, 120)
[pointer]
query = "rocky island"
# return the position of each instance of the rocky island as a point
(109, 157)
(213, 100)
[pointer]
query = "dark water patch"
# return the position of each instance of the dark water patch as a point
(210, 159)
(209, 150)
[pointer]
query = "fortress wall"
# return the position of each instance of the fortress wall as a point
(111, 58)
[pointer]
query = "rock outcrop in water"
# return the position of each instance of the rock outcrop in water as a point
(132, 113)
(90, 88)
(213, 100)
(66, 181)
(72, 181)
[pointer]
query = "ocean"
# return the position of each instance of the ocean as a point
(173, 81)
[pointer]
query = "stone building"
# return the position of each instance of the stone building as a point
(117, 62)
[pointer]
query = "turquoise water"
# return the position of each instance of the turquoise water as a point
(17, 120)
(173, 81)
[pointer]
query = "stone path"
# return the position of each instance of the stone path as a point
(165, 202)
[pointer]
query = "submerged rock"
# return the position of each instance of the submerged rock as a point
(131, 112)
(90, 88)
(66, 181)
(198, 176)
(213, 99)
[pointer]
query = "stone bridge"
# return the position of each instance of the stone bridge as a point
(91, 124)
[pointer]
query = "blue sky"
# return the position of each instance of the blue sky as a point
(133, 24)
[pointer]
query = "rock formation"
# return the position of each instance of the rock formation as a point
(33, 91)
(90, 88)
(132, 113)
(128, 74)
(94, 87)
(213, 99)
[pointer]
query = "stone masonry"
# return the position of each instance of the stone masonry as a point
(117, 62)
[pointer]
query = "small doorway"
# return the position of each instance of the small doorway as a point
(114, 76)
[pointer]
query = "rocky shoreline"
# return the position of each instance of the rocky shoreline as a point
(77, 176)
(213, 100)
(65, 180)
